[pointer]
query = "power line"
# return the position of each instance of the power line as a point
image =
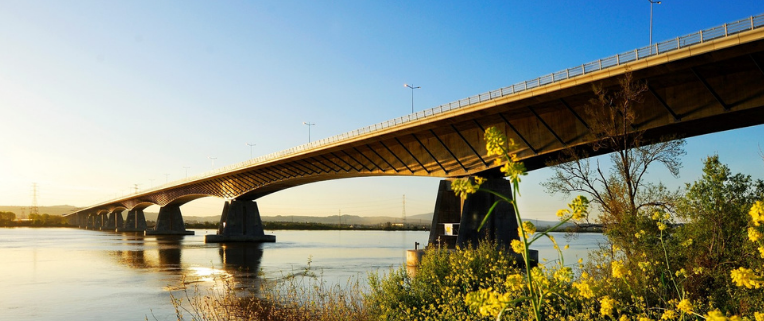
(34, 209)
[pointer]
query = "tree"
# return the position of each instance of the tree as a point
(620, 194)
(715, 209)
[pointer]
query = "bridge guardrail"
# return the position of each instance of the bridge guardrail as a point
(725, 30)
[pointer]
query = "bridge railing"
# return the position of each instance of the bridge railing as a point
(725, 30)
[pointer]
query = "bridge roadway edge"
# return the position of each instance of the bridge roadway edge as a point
(648, 68)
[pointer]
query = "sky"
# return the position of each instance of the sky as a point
(98, 96)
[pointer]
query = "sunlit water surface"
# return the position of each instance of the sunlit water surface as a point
(73, 274)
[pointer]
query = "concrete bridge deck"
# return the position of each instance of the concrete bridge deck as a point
(705, 82)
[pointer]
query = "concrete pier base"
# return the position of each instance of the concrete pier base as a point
(135, 222)
(169, 222)
(448, 209)
(465, 217)
(240, 222)
(501, 226)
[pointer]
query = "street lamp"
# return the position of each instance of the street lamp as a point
(308, 124)
(186, 167)
(651, 22)
(250, 149)
(213, 161)
(412, 94)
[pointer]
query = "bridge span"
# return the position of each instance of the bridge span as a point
(708, 81)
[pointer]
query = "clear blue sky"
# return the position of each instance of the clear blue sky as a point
(96, 96)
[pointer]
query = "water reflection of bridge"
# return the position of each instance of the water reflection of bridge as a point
(164, 254)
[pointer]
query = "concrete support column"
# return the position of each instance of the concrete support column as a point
(101, 222)
(135, 222)
(169, 222)
(500, 227)
(448, 209)
(114, 220)
(90, 221)
(240, 222)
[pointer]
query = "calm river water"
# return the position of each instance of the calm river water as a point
(73, 274)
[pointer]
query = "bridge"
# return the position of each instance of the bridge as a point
(708, 81)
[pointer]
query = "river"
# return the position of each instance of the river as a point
(73, 274)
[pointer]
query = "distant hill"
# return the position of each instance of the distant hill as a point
(52, 210)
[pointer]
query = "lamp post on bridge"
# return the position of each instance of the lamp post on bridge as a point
(651, 22)
(213, 161)
(412, 94)
(308, 124)
(250, 149)
(186, 167)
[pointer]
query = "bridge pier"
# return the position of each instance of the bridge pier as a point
(135, 222)
(90, 222)
(240, 222)
(113, 220)
(169, 222)
(501, 226)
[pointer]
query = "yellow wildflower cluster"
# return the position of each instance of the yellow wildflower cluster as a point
(745, 277)
(495, 142)
(518, 246)
(753, 234)
(488, 302)
(577, 209)
(619, 270)
(606, 306)
(669, 315)
(685, 306)
(757, 213)
(464, 186)
(528, 228)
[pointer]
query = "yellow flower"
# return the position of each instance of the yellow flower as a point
(514, 282)
(698, 270)
(745, 277)
(623, 318)
(518, 246)
(562, 213)
(564, 275)
(513, 170)
(606, 306)
(645, 319)
(761, 251)
(684, 306)
(669, 315)
(687, 243)
(681, 272)
(661, 226)
(757, 213)
(753, 234)
(584, 289)
(715, 315)
(619, 270)
(656, 216)
(529, 229)
(463, 187)
(758, 316)
(495, 141)
(579, 207)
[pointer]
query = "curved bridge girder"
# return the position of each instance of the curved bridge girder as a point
(714, 86)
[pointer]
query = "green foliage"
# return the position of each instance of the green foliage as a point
(442, 281)
(716, 210)
(7, 217)
(47, 220)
